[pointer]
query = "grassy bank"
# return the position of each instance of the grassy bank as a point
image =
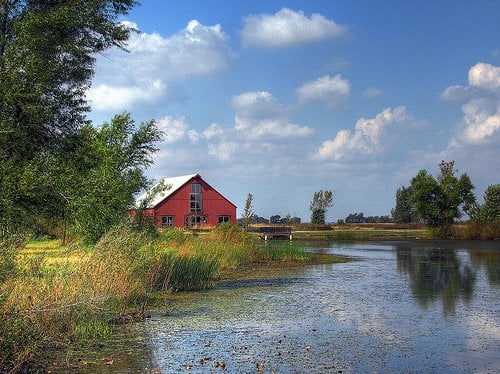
(473, 230)
(55, 296)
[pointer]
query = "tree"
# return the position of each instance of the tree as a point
(490, 210)
(114, 159)
(47, 51)
(321, 201)
(439, 202)
(275, 219)
(248, 211)
(404, 211)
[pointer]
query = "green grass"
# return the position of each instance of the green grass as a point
(58, 295)
(284, 251)
(356, 233)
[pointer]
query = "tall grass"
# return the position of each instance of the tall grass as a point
(285, 251)
(53, 296)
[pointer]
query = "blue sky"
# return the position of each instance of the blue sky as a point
(284, 98)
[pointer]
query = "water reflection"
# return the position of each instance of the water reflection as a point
(437, 273)
(490, 260)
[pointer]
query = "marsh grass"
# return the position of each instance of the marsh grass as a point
(284, 250)
(54, 295)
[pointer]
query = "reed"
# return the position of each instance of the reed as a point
(284, 251)
(55, 295)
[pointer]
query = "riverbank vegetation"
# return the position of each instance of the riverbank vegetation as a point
(56, 295)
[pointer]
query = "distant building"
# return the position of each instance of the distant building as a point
(190, 202)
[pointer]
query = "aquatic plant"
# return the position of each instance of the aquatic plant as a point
(283, 250)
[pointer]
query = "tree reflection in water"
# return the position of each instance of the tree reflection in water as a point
(490, 260)
(437, 273)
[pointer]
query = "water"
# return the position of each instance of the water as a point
(399, 308)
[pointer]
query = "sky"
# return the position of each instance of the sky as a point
(284, 98)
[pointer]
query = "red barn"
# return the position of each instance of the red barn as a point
(190, 202)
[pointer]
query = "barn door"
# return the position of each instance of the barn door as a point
(195, 220)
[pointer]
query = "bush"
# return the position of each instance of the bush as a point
(478, 230)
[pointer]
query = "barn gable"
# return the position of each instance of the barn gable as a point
(190, 202)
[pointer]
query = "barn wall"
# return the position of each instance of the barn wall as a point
(178, 205)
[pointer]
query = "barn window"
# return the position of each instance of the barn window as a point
(167, 221)
(223, 219)
(195, 198)
(196, 188)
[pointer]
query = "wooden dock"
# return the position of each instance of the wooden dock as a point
(274, 232)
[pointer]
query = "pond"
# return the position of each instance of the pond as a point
(402, 307)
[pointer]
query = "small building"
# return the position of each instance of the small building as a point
(190, 202)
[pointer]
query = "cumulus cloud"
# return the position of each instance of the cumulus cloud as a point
(223, 150)
(485, 76)
(370, 136)
(287, 28)
(331, 90)
(105, 97)
(259, 115)
(174, 128)
(153, 60)
(481, 105)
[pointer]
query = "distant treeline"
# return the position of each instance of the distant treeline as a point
(360, 218)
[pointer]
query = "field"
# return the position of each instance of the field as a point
(365, 232)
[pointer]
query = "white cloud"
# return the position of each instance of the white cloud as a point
(482, 119)
(174, 128)
(332, 90)
(288, 27)
(373, 93)
(259, 115)
(213, 130)
(254, 106)
(370, 136)
(130, 77)
(107, 98)
(222, 151)
(481, 105)
(485, 76)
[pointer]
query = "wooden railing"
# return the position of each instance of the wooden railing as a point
(274, 232)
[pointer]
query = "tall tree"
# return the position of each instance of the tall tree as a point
(490, 210)
(115, 157)
(440, 201)
(47, 50)
(404, 212)
(248, 211)
(321, 201)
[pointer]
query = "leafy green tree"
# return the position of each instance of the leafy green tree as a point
(321, 201)
(275, 219)
(404, 211)
(47, 55)
(440, 201)
(106, 173)
(248, 211)
(490, 210)
(491, 207)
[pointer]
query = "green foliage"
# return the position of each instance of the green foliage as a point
(284, 250)
(321, 201)
(47, 54)
(439, 202)
(146, 200)
(490, 210)
(318, 216)
(404, 211)
(177, 272)
(107, 173)
(248, 211)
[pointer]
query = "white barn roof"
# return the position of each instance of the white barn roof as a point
(174, 182)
